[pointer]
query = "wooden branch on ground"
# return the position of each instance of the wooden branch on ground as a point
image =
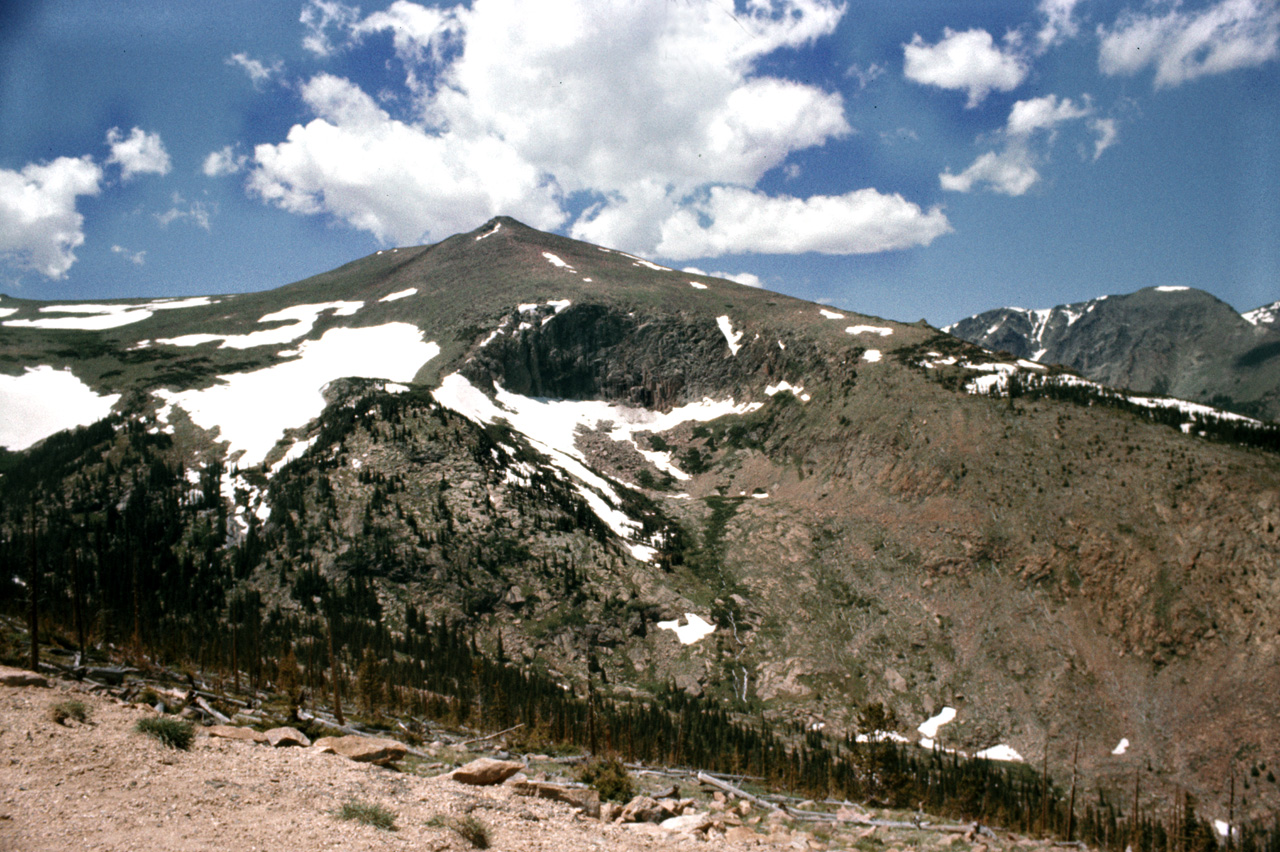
(490, 736)
(725, 786)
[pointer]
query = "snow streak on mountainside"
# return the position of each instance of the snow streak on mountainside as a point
(1268, 315)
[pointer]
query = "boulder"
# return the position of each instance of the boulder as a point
(583, 798)
(281, 737)
(20, 677)
(379, 752)
(230, 732)
(691, 823)
(484, 771)
(642, 809)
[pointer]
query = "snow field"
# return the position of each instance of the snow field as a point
(883, 331)
(551, 426)
(252, 410)
(43, 401)
(695, 285)
(102, 317)
(303, 317)
(694, 628)
(399, 294)
(796, 390)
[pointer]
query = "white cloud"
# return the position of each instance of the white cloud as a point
(258, 71)
(1107, 131)
(739, 221)
(747, 279)
(137, 258)
(197, 212)
(139, 153)
(395, 180)
(1044, 113)
(643, 105)
(39, 225)
(1012, 171)
(1185, 45)
(319, 16)
(1009, 172)
(227, 161)
(969, 61)
(1059, 23)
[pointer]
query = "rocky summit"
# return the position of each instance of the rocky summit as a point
(629, 484)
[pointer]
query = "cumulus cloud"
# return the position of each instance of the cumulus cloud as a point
(1059, 22)
(258, 71)
(1185, 45)
(227, 161)
(139, 153)
(735, 220)
(967, 61)
(1030, 128)
(137, 258)
(39, 225)
(516, 106)
(1008, 172)
(747, 279)
(1026, 117)
(195, 212)
(1107, 131)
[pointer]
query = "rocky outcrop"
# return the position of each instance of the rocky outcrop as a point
(232, 732)
(379, 752)
(485, 771)
(583, 798)
(282, 737)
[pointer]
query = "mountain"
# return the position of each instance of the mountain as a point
(654, 484)
(1175, 341)
(1267, 315)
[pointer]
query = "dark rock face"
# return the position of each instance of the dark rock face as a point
(1176, 342)
(597, 352)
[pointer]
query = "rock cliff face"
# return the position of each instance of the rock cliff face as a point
(1164, 340)
(852, 525)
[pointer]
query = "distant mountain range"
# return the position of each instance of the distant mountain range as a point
(1174, 341)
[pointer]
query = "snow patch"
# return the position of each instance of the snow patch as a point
(830, 314)
(929, 727)
(1000, 752)
(1171, 289)
(871, 356)
(555, 261)
(43, 401)
(694, 284)
(252, 410)
(496, 226)
(784, 385)
(8, 312)
(869, 329)
(1265, 315)
(102, 317)
(726, 327)
(1121, 747)
(399, 294)
(694, 628)
(303, 319)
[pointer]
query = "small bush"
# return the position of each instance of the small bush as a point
(467, 827)
(609, 778)
(70, 709)
(175, 733)
(368, 813)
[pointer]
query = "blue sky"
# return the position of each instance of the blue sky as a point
(907, 159)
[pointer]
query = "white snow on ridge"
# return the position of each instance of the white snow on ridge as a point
(399, 294)
(303, 316)
(43, 401)
(694, 284)
(551, 426)
(102, 317)
(252, 410)
(726, 327)
(1168, 288)
(869, 329)
(694, 628)
(784, 385)
(1265, 315)
(830, 314)
(496, 226)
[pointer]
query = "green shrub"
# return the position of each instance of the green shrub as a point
(175, 733)
(70, 709)
(367, 813)
(467, 827)
(608, 777)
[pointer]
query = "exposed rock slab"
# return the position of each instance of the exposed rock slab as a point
(379, 752)
(485, 771)
(231, 732)
(282, 737)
